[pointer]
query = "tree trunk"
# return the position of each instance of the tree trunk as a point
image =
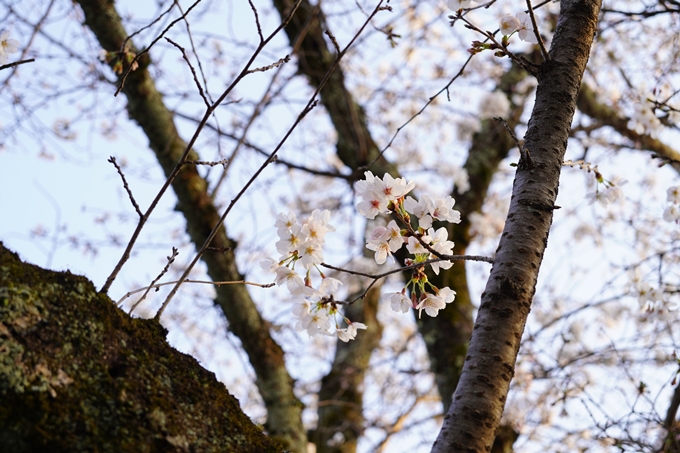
(471, 422)
(78, 374)
(146, 107)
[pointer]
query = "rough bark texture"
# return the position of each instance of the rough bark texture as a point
(146, 107)
(473, 418)
(78, 374)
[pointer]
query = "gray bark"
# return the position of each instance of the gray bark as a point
(474, 416)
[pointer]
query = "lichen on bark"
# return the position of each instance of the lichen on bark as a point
(78, 374)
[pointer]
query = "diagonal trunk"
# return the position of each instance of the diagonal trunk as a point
(473, 418)
(146, 107)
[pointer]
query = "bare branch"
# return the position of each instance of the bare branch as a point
(125, 185)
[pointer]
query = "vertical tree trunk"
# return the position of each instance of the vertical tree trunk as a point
(471, 422)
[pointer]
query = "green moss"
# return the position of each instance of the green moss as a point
(78, 374)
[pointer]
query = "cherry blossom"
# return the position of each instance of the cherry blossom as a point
(431, 304)
(398, 301)
(456, 5)
(509, 24)
(526, 28)
(7, 46)
(350, 332)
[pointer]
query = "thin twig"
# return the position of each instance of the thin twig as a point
(139, 55)
(125, 185)
(333, 40)
(16, 63)
(193, 71)
(281, 61)
(257, 20)
(203, 282)
(171, 259)
(193, 49)
(544, 51)
(222, 162)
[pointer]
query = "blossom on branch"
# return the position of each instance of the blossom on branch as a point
(7, 46)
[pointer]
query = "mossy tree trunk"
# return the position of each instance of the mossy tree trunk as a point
(78, 374)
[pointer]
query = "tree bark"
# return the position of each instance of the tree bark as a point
(146, 107)
(471, 422)
(78, 374)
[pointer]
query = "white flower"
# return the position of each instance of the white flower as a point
(288, 276)
(395, 188)
(377, 193)
(600, 196)
(350, 332)
(644, 292)
(671, 214)
(673, 194)
(329, 285)
(373, 205)
(431, 304)
(415, 247)
(398, 301)
(315, 323)
(443, 210)
(284, 223)
(455, 5)
(526, 28)
(290, 241)
(509, 25)
(494, 104)
(323, 217)
(420, 209)
(381, 248)
(442, 245)
(302, 309)
(311, 254)
(269, 264)
(7, 46)
(365, 186)
(643, 120)
(447, 294)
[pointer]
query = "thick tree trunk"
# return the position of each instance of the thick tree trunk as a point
(78, 374)
(146, 107)
(471, 422)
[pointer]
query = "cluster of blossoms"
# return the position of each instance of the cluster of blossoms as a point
(521, 24)
(612, 192)
(672, 212)
(301, 245)
(7, 46)
(388, 195)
